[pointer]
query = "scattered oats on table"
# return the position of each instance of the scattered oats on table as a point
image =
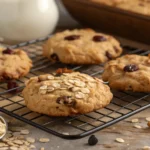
(25, 132)
(44, 140)
(30, 140)
(135, 120)
(137, 126)
(119, 140)
(32, 147)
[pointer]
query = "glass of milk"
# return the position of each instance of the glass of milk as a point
(23, 20)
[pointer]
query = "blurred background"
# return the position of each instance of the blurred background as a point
(22, 20)
(65, 19)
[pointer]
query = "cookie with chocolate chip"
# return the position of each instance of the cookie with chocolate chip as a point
(83, 46)
(13, 63)
(68, 94)
(128, 73)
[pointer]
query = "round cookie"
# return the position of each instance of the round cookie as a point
(129, 72)
(83, 46)
(13, 64)
(66, 94)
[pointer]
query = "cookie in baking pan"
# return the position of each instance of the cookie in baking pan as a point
(66, 94)
(129, 72)
(84, 46)
(13, 63)
(136, 6)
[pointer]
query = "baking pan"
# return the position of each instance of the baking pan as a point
(110, 19)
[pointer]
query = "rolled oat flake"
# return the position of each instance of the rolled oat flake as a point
(2, 128)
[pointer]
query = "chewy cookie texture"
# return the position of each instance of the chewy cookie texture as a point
(137, 6)
(13, 64)
(66, 94)
(84, 46)
(129, 72)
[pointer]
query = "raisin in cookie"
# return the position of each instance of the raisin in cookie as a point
(83, 46)
(13, 64)
(66, 94)
(129, 72)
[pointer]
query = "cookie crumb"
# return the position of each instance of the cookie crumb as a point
(119, 140)
(42, 148)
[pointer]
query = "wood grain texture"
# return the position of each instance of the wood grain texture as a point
(135, 139)
(111, 20)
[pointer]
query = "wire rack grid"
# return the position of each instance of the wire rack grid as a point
(123, 105)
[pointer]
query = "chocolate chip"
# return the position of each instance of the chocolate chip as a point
(109, 56)
(72, 37)
(8, 51)
(131, 68)
(92, 140)
(55, 57)
(66, 100)
(99, 38)
(12, 85)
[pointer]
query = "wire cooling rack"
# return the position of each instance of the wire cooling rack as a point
(123, 105)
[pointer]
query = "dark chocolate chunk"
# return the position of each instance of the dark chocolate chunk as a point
(92, 140)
